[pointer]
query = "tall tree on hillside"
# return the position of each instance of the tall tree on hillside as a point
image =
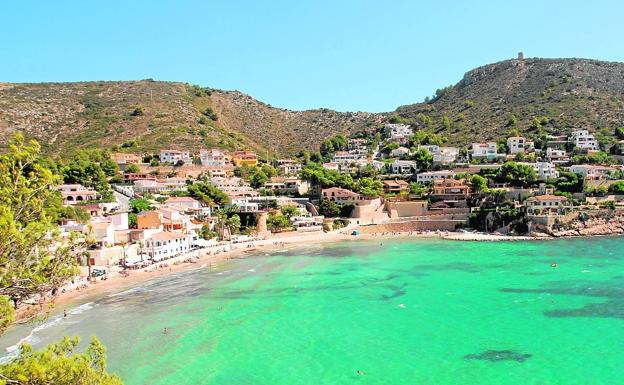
(33, 261)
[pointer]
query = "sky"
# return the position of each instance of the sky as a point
(342, 54)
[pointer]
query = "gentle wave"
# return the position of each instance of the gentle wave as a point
(31, 338)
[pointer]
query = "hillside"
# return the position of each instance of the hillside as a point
(531, 96)
(67, 116)
(499, 98)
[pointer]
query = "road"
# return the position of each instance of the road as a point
(124, 201)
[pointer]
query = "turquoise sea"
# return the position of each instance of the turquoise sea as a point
(402, 312)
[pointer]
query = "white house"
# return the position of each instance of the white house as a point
(592, 172)
(487, 151)
(403, 167)
(182, 202)
(399, 152)
(584, 140)
(289, 166)
(167, 244)
(519, 144)
(544, 170)
(173, 156)
(430, 176)
(213, 157)
(346, 157)
(557, 156)
(76, 193)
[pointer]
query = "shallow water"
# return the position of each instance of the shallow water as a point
(421, 312)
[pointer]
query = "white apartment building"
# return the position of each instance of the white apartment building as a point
(173, 156)
(544, 170)
(487, 150)
(212, 158)
(345, 157)
(167, 244)
(592, 172)
(584, 140)
(404, 167)
(519, 144)
(430, 176)
(557, 156)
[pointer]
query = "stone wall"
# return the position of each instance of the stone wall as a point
(423, 225)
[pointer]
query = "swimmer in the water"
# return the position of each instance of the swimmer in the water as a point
(165, 331)
(64, 312)
(360, 372)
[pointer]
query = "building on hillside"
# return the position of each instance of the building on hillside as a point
(129, 178)
(306, 224)
(403, 167)
(287, 185)
(557, 156)
(164, 245)
(244, 158)
(76, 193)
(289, 166)
(398, 132)
(357, 144)
(341, 195)
(185, 203)
(345, 157)
(583, 140)
(149, 220)
(400, 152)
(450, 189)
(487, 151)
(519, 145)
(244, 204)
(175, 156)
(430, 176)
(212, 157)
(547, 205)
(593, 172)
(544, 170)
(396, 186)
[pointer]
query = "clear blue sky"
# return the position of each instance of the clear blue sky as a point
(368, 55)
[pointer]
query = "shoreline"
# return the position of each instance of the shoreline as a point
(116, 282)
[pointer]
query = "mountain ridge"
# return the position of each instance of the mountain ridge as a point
(528, 96)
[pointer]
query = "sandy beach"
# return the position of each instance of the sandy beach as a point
(117, 282)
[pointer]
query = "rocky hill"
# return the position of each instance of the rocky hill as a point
(67, 116)
(531, 96)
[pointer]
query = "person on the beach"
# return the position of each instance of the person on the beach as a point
(64, 313)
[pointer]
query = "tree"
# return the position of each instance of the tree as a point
(277, 222)
(138, 111)
(619, 133)
(617, 187)
(208, 194)
(478, 184)
(258, 178)
(33, 259)
(517, 174)
(59, 364)
(418, 189)
(233, 223)
(211, 114)
(369, 187)
(139, 205)
(132, 169)
(289, 211)
(329, 208)
(423, 158)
